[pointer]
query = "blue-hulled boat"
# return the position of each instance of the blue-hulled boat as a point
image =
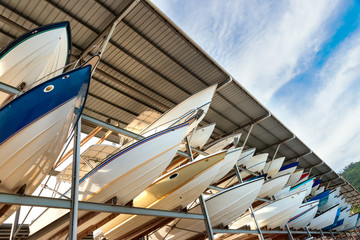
(34, 127)
(334, 224)
(323, 197)
(289, 168)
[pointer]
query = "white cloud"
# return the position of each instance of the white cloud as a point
(262, 44)
(266, 44)
(329, 123)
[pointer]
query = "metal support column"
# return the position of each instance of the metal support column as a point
(322, 234)
(308, 232)
(260, 235)
(289, 232)
(276, 151)
(340, 235)
(204, 211)
(357, 233)
(75, 183)
(332, 234)
(209, 230)
(247, 136)
(15, 225)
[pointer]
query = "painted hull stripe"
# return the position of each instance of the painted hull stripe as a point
(289, 166)
(110, 159)
(300, 214)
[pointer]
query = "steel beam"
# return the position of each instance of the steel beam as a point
(289, 232)
(234, 231)
(260, 235)
(208, 226)
(251, 172)
(13, 199)
(75, 183)
(308, 232)
(8, 89)
(15, 225)
(110, 28)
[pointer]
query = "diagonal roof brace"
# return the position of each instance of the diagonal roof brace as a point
(278, 143)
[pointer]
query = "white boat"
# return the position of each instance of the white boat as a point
(177, 188)
(304, 177)
(123, 175)
(295, 176)
(303, 186)
(256, 164)
(195, 104)
(304, 215)
(315, 186)
(34, 127)
(93, 155)
(272, 167)
(272, 215)
(344, 215)
(332, 200)
(222, 143)
(324, 219)
(319, 190)
(289, 168)
(273, 185)
(245, 156)
(282, 193)
(223, 208)
(351, 222)
(229, 162)
(201, 135)
(36, 56)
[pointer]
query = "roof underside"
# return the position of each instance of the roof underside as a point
(150, 64)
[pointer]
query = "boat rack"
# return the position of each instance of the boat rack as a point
(136, 7)
(74, 205)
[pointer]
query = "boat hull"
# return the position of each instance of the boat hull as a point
(272, 168)
(41, 52)
(325, 219)
(183, 111)
(303, 215)
(272, 186)
(31, 144)
(123, 175)
(166, 193)
(223, 208)
(272, 215)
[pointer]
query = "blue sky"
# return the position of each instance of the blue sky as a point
(301, 59)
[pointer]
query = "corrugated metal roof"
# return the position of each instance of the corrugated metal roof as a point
(151, 64)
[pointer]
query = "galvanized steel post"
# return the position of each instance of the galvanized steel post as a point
(75, 183)
(308, 232)
(289, 232)
(209, 231)
(208, 226)
(260, 235)
(15, 225)
(322, 234)
(332, 234)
